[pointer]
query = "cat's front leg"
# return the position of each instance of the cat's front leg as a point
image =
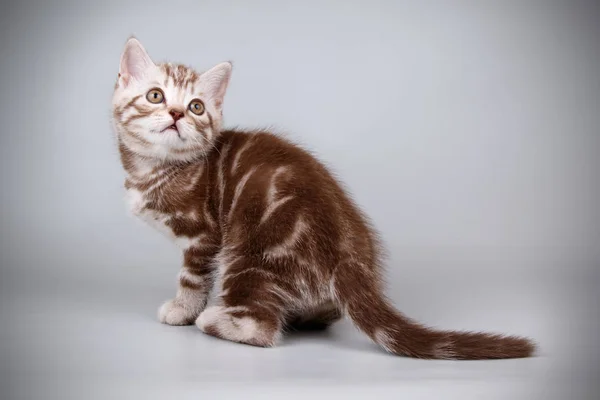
(195, 283)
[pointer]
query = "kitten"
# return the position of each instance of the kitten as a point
(259, 218)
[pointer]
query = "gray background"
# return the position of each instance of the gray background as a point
(467, 130)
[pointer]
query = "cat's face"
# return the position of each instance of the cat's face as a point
(167, 112)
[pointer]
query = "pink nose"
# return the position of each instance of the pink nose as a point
(176, 114)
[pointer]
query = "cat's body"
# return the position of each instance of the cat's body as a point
(233, 205)
(260, 220)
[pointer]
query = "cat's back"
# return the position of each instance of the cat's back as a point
(243, 150)
(264, 147)
(263, 176)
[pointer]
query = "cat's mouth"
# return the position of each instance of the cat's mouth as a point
(173, 126)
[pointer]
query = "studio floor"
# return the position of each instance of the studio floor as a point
(83, 338)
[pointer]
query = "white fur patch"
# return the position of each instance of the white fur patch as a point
(176, 312)
(198, 242)
(183, 242)
(159, 221)
(187, 304)
(244, 329)
(135, 201)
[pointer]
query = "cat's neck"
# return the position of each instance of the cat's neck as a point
(138, 167)
(170, 188)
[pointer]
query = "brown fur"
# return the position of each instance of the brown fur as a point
(262, 221)
(335, 253)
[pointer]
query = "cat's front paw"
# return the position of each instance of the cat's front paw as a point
(174, 313)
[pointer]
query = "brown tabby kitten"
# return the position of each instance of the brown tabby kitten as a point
(259, 218)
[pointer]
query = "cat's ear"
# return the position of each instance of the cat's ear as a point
(135, 62)
(215, 81)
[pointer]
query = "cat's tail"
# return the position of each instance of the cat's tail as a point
(359, 293)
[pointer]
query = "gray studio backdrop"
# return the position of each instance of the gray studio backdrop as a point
(484, 116)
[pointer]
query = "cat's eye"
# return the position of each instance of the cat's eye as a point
(155, 96)
(197, 107)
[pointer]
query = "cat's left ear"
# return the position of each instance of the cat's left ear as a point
(135, 62)
(214, 83)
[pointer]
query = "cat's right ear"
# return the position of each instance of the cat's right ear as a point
(135, 62)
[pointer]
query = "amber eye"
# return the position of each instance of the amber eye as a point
(155, 96)
(197, 107)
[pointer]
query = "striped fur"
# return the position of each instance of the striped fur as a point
(262, 221)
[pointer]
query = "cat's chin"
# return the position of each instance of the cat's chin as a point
(169, 139)
(169, 130)
(173, 132)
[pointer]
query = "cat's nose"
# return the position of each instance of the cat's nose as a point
(176, 114)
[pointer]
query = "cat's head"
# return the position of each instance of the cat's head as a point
(166, 111)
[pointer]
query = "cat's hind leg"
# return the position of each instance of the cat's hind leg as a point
(250, 308)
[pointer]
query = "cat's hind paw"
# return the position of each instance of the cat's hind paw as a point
(239, 324)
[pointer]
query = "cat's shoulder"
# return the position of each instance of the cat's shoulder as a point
(264, 143)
